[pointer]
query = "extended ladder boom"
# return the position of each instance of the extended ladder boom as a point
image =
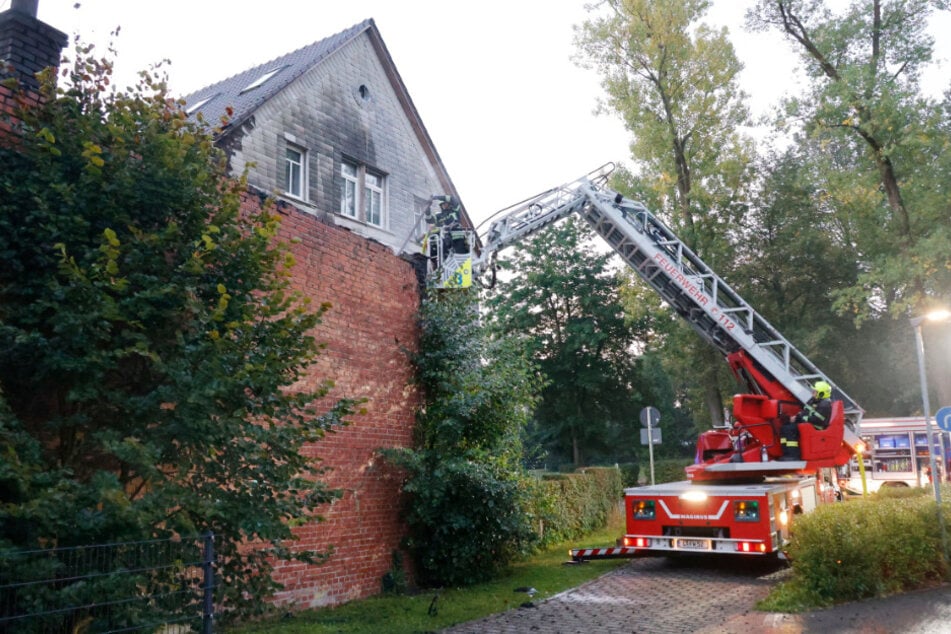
(681, 278)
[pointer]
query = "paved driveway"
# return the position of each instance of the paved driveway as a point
(708, 596)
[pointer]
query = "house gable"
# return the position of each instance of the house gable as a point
(332, 129)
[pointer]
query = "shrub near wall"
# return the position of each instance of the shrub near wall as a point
(571, 505)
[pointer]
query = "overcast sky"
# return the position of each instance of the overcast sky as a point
(509, 112)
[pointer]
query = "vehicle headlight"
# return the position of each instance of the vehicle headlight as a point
(694, 496)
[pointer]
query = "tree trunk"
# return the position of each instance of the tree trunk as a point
(711, 386)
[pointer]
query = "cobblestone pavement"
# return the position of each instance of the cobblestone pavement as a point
(710, 596)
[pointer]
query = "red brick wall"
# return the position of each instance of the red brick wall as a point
(7, 106)
(10, 102)
(374, 296)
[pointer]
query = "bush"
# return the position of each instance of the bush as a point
(466, 521)
(156, 363)
(901, 492)
(466, 492)
(568, 506)
(630, 472)
(862, 549)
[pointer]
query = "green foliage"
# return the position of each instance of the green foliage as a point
(790, 265)
(881, 144)
(151, 349)
(466, 492)
(630, 472)
(568, 506)
(862, 549)
(564, 297)
(394, 580)
(668, 470)
(674, 82)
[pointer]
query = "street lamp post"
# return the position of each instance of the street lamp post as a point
(936, 315)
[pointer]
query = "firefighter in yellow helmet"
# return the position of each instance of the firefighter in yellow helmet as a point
(818, 410)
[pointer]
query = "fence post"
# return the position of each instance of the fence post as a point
(208, 567)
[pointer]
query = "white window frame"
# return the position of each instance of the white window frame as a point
(300, 192)
(373, 198)
(351, 185)
(363, 195)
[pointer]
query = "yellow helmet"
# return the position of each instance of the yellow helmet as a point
(822, 389)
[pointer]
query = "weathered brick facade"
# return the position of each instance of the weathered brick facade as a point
(368, 330)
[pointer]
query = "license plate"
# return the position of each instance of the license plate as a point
(694, 544)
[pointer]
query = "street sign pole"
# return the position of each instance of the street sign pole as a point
(650, 445)
(649, 416)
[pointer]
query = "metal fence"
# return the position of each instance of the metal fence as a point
(163, 585)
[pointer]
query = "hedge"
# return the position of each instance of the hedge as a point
(569, 506)
(667, 470)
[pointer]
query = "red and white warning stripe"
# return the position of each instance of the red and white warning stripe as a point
(603, 553)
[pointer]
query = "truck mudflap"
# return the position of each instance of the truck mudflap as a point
(581, 555)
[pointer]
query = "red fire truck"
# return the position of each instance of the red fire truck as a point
(738, 497)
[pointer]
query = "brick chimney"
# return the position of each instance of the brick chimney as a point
(27, 45)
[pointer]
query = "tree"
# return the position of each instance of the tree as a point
(791, 265)
(467, 494)
(565, 298)
(881, 146)
(661, 383)
(151, 350)
(674, 82)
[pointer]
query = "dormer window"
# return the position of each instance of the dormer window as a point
(262, 79)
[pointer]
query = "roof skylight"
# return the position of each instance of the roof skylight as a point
(262, 79)
(195, 107)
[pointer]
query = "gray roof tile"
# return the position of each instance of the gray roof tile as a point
(211, 101)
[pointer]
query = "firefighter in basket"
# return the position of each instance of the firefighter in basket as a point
(817, 412)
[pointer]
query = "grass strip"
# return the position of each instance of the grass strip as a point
(432, 610)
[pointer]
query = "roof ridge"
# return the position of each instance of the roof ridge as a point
(343, 35)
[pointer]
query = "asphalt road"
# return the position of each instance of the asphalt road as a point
(708, 596)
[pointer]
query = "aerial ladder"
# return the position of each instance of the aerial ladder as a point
(777, 376)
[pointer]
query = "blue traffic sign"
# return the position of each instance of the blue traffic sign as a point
(943, 418)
